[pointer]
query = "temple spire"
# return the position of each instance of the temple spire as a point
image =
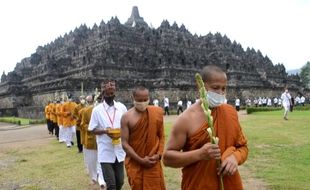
(135, 18)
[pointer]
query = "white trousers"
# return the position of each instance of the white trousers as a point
(286, 110)
(93, 166)
(61, 134)
(69, 133)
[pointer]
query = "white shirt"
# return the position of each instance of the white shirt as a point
(302, 99)
(269, 102)
(189, 103)
(180, 103)
(102, 117)
(166, 102)
(297, 100)
(155, 102)
(237, 102)
(285, 98)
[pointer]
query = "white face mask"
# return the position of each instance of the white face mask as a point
(215, 99)
(83, 101)
(141, 106)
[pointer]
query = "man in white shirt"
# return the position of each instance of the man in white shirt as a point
(269, 103)
(106, 116)
(180, 107)
(286, 102)
(188, 104)
(275, 101)
(237, 104)
(166, 105)
(155, 102)
(302, 100)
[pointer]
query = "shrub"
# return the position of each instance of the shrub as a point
(250, 110)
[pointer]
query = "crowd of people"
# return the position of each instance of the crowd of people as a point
(299, 100)
(114, 139)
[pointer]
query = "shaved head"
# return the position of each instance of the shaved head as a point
(139, 89)
(209, 72)
(89, 98)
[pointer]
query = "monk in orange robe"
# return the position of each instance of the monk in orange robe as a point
(142, 135)
(189, 144)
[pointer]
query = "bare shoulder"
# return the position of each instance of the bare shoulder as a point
(127, 114)
(185, 119)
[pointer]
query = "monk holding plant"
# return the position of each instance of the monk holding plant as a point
(142, 134)
(190, 147)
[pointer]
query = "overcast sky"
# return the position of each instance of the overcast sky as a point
(280, 29)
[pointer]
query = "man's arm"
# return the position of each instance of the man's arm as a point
(161, 136)
(93, 125)
(174, 157)
(234, 155)
(146, 161)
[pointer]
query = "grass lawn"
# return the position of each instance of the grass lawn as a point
(279, 155)
(21, 121)
(279, 149)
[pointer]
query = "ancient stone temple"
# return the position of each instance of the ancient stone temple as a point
(163, 59)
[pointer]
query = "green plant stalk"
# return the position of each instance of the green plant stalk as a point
(207, 112)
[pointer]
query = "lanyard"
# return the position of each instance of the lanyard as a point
(111, 120)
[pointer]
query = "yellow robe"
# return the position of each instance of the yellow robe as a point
(88, 138)
(76, 115)
(67, 113)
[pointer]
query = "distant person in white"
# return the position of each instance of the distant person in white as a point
(105, 116)
(155, 102)
(166, 105)
(269, 102)
(302, 100)
(286, 102)
(180, 107)
(188, 104)
(237, 104)
(275, 101)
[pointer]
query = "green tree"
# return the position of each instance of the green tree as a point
(305, 75)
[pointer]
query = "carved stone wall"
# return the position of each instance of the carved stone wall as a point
(164, 59)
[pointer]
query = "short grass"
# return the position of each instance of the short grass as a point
(21, 121)
(279, 155)
(279, 149)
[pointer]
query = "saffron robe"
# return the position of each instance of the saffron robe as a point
(76, 115)
(87, 137)
(147, 139)
(203, 174)
(67, 112)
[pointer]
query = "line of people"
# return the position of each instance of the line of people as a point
(115, 139)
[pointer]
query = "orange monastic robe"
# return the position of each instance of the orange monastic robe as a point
(147, 139)
(58, 114)
(47, 112)
(76, 115)
(53, 116)
(88, 139)
(67, 112)
(203, 174)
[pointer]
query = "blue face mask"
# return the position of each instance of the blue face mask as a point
(215, 99)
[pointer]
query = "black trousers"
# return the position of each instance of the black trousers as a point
(167, 110)
(78, 140)
(113, 174)
(237, 108)
(56, 127)
(49, 128)
(180, 109)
